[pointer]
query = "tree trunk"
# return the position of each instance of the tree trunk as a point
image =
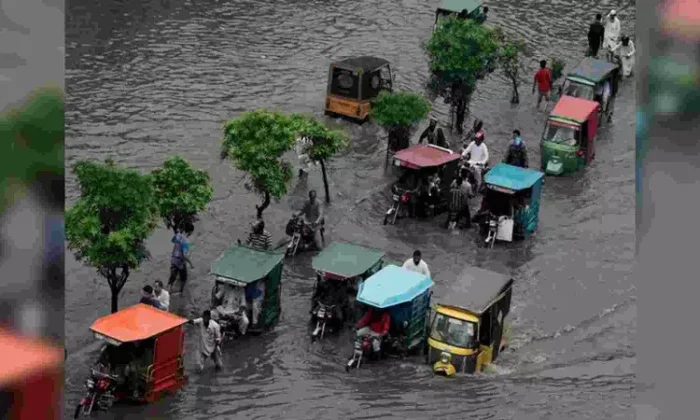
(461, 108)
(115, 300)
(325, 181)
(116, 283)
(261, 208)
(516, 96)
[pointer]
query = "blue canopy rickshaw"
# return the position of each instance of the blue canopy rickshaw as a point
(406, 294)
(512, 201)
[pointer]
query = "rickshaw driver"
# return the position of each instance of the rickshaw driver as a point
(330, 296)
(374, 323)
(313, 215)
(233, 305)
(255, 292)
(478, 156)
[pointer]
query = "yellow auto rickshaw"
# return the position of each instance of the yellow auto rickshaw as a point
(353, 83)
(466, 332)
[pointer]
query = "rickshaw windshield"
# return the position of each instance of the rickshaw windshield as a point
(453, 331)
(562, 134)
(344, 83)
(578, 90)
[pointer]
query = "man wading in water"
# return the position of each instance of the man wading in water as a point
(179, 258)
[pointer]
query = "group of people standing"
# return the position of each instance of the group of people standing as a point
(609, 36)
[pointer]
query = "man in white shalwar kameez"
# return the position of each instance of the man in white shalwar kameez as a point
(612, 31)
(626, 51)
(209, 340)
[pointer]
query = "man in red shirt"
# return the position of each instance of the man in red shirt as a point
(375, 323)
(543, 81)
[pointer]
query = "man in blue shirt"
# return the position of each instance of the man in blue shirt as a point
(179, 258)
(148, 298)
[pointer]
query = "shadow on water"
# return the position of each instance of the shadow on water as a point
(149, 79)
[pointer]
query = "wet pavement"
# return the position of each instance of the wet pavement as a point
(147, 82)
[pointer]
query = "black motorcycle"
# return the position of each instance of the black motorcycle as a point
(302, 235)
(100, 394)
(324, 315)
(399, 200)
(488, 223)
(363, 348)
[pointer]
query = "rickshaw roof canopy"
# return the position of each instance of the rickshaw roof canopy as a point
(512, 177)
(135, 323)
(593, 70)
(392, 285)
(365, 63)
(425, 156)
(574, 109)
(475, 289)
(346, 260)
(459, 5)
(245, 264)
(23, 356)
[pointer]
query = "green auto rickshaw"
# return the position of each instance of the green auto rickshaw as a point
(455, 8)
(568, 141)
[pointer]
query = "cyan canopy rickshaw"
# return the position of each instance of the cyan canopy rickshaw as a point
(406, 296)
(512, 198)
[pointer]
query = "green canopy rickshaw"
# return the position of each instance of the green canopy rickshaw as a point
(247, 289)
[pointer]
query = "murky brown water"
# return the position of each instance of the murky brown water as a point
(145, 83)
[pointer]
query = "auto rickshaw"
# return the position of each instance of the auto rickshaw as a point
(142, 358)
(353, 83)
(455, 8)
(31, 378)
(466, 331)
(244, 274)
(587, 81)
(414, 192)
(405, 295)
(339, 270)
(511, 203)
(568, 140)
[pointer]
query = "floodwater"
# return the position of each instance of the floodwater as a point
(149, 79)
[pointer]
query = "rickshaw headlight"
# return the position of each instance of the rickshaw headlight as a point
(579, 153)
(445, 358)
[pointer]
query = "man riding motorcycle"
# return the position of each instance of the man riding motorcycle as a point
(313, 217)
(375, 323)
(477, 156)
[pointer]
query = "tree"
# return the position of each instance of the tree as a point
(460, 53)
(325, 142)
(511, 61)
(181, 192)
(255, 142)
(109, 224)
(398, 114)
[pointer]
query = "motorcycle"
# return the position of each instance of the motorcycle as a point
(399, 199)
(323, 314)
(100, 394)
(302, 235)
(365, 347)
(611, 54)
(490, 224)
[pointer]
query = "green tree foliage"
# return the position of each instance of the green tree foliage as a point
(326, 142)
(557, 68)
(511, 60)
(460, 53)
(398, 113)
(32, 147)
(181, 191)
(255, 142)
(109, 224)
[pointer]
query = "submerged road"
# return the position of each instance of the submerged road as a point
(149, 79)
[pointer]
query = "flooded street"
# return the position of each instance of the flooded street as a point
(144, 83)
